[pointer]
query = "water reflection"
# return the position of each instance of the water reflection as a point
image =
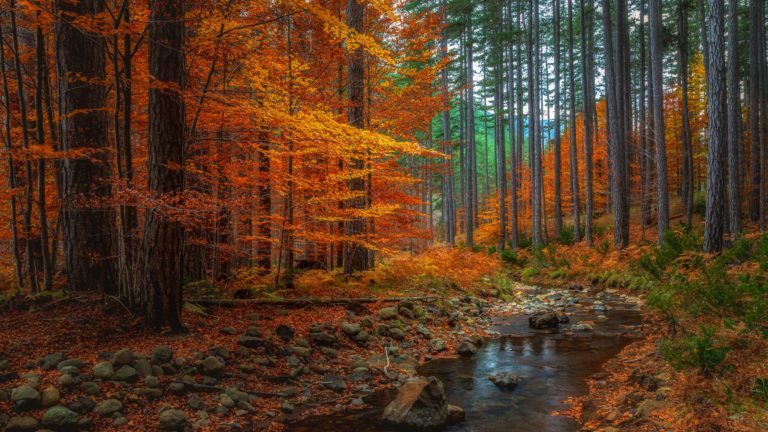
(552, 367)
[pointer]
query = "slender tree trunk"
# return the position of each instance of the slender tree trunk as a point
(513, 160)
(645, 159)
(11, 170)
(448, 205)
(558, 162)
(163, 245)
(471, 183)
(499, 136)
(716, 130)
(687, 168)
(658, 117)
(756, 146)
(734, 121)
(573, 155)
(40, 129)
(588, 122)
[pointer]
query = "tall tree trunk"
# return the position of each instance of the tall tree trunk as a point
(471, 183)
(588, 121)
(573, 155)
(356, 256)
(756, 146)
(687, 168)
(714, 222)
(645, 159)
(513, 160)
(89, 219)
(164, 237)
(499, 137)
(558, 162)
(11, 170)
(658, 117)
(40, 129)
(734, 121)
(448, 205)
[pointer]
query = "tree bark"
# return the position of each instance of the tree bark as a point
(734, 121)
(714, 222)
(573, 155)
(163, 245)
(658, 117)
(588, 121)
(89, 218)
(687, 168)
(557, 161)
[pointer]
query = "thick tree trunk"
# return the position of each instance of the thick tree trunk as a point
(643, 130)
(756, 146)
(89, 219)
(714, 222)
(734, 121)
(163, 245)
(658, 117)
(356, 256)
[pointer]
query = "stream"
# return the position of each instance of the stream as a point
(552, 367)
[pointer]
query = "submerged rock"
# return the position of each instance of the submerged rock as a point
(419, 404)
(505, 380)
(544, 320)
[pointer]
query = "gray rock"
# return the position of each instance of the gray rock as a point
(362, 337)
(173, 419)
(143, 367)
(387, 313)
(59, 418)
(67, 380)
(300, 351)
(151, 382)
(228, 331)
(212, 366)
(195, 402)
(103, 370)
(396, 333)
(50, 396)
(351, 329)
(323, 338)
(90, 388)
(334, 383)
(108, 407)
(505, 380)
(250, 341)
(437, 345)
(253, 331)
(151, 393)
(127, 374)
(420, 404)
(122, 357)
(24, 393)
(285, 332)
(50, 361)
(162, 354)
(71, 362)
(466, 348)
(21, 424)
(455, 414)
(544, 320)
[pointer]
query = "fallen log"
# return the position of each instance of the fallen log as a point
(304, 301)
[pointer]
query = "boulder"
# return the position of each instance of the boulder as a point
(162, 354)
(544, 320)
(212, 366)
(25, 398)
(388, 313)
(108, 407)
(122, 357)
(21, 424)
(60, 418)
(173, 420)
(103, 370)
(285, 332)
(351, 329)
(455, 414)
(505, 380)
(333, 382)
(50, 361)
(127, 374)
(466, 348)
(420, 404)
(50, 396)
(250, 341)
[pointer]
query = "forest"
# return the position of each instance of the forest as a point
(384, 215)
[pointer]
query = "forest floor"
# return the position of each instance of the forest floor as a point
(262, 365)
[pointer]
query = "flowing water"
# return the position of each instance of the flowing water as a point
(552, 367)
